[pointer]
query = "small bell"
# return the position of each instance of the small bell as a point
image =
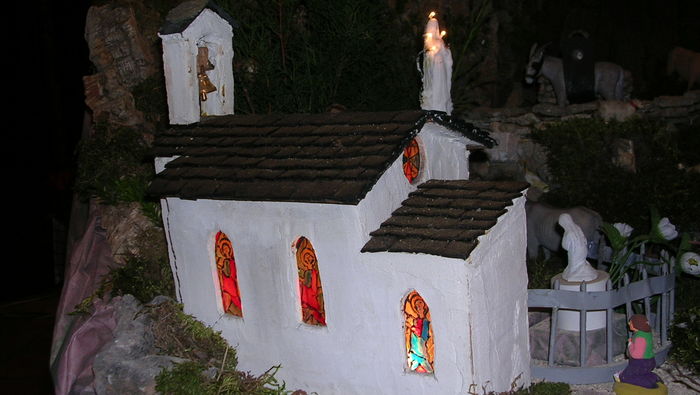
(204, 65)
(205, 86)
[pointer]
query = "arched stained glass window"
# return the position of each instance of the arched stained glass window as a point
(313, 311)
(418, 332)
(228, 278)
(411, 161)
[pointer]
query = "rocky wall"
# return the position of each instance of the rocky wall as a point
(517, 156)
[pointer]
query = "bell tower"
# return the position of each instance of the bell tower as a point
(198, 61)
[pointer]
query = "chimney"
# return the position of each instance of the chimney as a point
(198, 61)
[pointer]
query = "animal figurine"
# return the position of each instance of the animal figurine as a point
(686, 63)
(543, 229)
(609, 79)
(617, 110)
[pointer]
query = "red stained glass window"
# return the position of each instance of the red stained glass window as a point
(313, 311)
(418, 333)
(411, 161)
(228, 278)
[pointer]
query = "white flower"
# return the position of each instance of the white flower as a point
(624, 229)
(666, 229)
(690, 263)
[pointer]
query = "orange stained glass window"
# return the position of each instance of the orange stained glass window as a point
(313, 311)
(228, 278)
(411, 161)
(418, 333)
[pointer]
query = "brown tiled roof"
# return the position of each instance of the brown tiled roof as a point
(445, 218)
(180, 17)
(328, 158)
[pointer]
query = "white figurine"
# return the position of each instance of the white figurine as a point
(576, 244)
(437, 70)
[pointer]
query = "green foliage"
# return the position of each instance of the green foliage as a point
(144, 279)
(303, 56)
(85, 307)
(541, 388)
(186, 378)
(147, 274)
(115, 166)
(189, 378)
(662, 235)
(151, 99)
(685, 337)
(687, 291)
(466, 53)
(580, 153)
(181, 335)
(540, 271)
(111, 166)
(547, 388)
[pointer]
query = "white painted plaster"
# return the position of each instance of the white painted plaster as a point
(497, 285)
(161, 161)
(570, 320)
(180, 67)
(478, 307)
(443, 156)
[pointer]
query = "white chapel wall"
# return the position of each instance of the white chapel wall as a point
(443, 157)
(498, 291)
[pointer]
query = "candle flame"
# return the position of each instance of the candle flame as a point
(431, 15)
(429, 36)
(442, 33)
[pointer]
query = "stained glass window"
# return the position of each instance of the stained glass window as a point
(310, 290)
(418, 331)
(411, 161)
(228, 279)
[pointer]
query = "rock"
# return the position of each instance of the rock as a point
(567, 348)
(109, 101)
(527, 119)
(579, 108)
(624, 157)
(123, 57)
(128, 364)
(125, 223)
(117, 43)
(674, 101)
(548, 110)
(694, 95)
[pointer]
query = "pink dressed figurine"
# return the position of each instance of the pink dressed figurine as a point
(641, 355)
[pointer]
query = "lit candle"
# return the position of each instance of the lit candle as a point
(437, 69)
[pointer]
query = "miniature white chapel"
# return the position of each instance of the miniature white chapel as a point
(350, 248)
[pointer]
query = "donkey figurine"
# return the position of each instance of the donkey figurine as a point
(543, 231)
(609, 82)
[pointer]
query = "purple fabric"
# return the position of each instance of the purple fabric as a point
(639, 372)
(77, 338)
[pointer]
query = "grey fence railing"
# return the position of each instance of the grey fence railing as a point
(651, 294)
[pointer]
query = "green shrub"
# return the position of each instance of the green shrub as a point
(540, 271)
(685, 337)
(212, 365)
(546, 388)
(144, 279)
(113, 165)
(579, 157)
